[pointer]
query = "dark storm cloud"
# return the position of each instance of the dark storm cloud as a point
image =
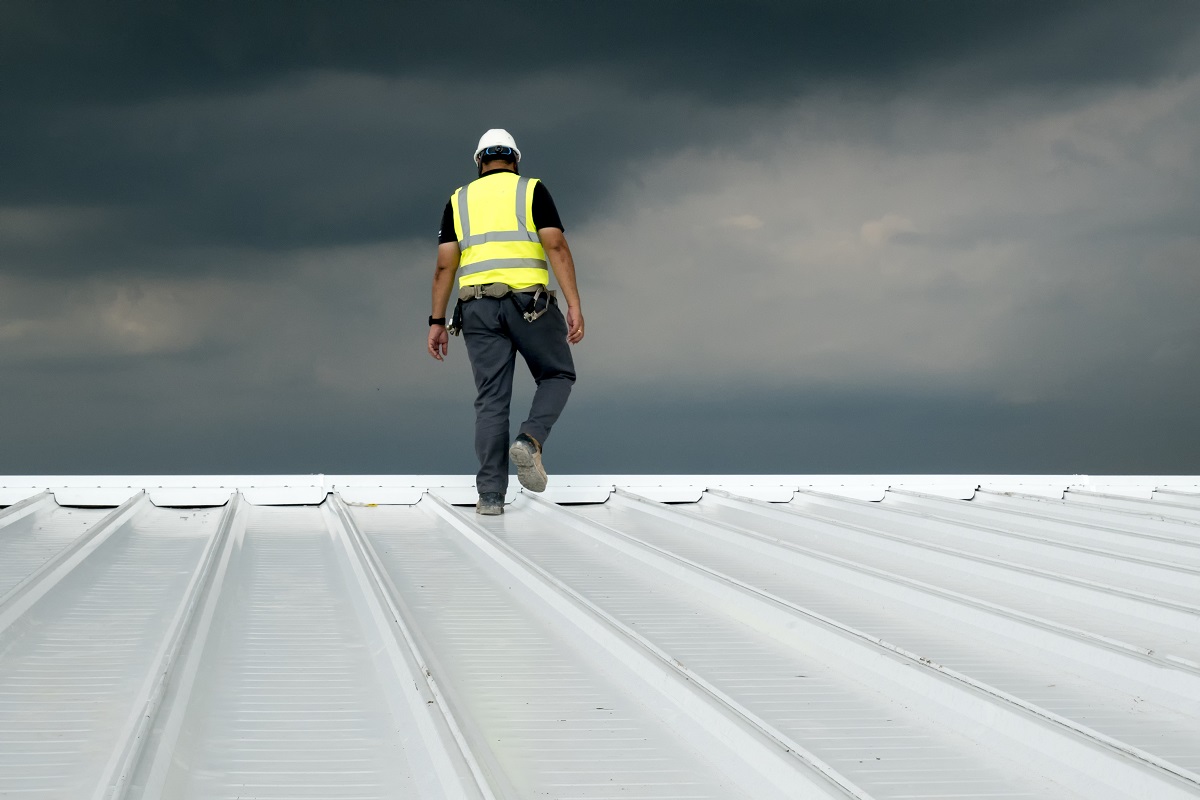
(148, 109)
(137, 50)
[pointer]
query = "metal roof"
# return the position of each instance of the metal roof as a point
(629, 637)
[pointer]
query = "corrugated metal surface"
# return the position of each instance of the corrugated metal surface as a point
(645, 637)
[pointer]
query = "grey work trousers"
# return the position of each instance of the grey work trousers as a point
(495, 331)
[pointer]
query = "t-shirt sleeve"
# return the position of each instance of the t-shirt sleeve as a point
(545, 214)
(446, 232)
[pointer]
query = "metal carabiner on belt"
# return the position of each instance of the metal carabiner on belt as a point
(533, 314)
(456, 320)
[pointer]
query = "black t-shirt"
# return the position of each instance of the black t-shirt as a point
(545, 214)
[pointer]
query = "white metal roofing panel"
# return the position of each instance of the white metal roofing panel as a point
(199, 490)
(168, 490)
(752, 636)
(1173, 495)
(93, 495)
(10, 495)
(1140, 504)
(190, 497)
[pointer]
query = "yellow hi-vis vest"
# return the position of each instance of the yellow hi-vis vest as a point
(493, 219)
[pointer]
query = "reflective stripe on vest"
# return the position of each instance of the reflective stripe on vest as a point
(497, 243)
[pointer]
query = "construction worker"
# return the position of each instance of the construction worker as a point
(498, 233)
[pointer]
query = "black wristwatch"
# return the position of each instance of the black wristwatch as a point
(437, 321)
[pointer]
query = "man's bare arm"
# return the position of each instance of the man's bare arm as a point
(443, 283)
(559, 254)
(443, 277)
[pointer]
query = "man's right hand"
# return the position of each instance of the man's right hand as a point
(439, 342)
(574, 325)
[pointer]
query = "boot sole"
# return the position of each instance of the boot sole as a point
(530, 472)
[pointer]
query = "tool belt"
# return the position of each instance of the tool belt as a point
(499, 290)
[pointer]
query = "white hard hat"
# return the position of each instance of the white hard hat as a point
(496, 137)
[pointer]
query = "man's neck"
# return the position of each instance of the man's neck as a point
(501, 167)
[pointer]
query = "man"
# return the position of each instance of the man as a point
(498, 234)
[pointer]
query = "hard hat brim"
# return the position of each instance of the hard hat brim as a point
(480, 150)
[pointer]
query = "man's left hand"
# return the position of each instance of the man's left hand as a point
(439, 342)
(574, 325)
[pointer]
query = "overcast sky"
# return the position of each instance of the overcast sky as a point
(811, 236)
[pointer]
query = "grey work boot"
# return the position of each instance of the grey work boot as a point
(490, 504)
(526, 453)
